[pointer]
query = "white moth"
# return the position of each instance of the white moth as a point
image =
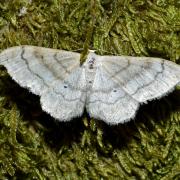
(111, 88)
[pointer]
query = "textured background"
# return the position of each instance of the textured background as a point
(34, 146)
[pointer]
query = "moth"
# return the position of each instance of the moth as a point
(111, 88)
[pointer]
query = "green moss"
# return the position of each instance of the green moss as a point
(34, 146)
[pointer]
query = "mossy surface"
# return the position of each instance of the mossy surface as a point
(35, 146)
